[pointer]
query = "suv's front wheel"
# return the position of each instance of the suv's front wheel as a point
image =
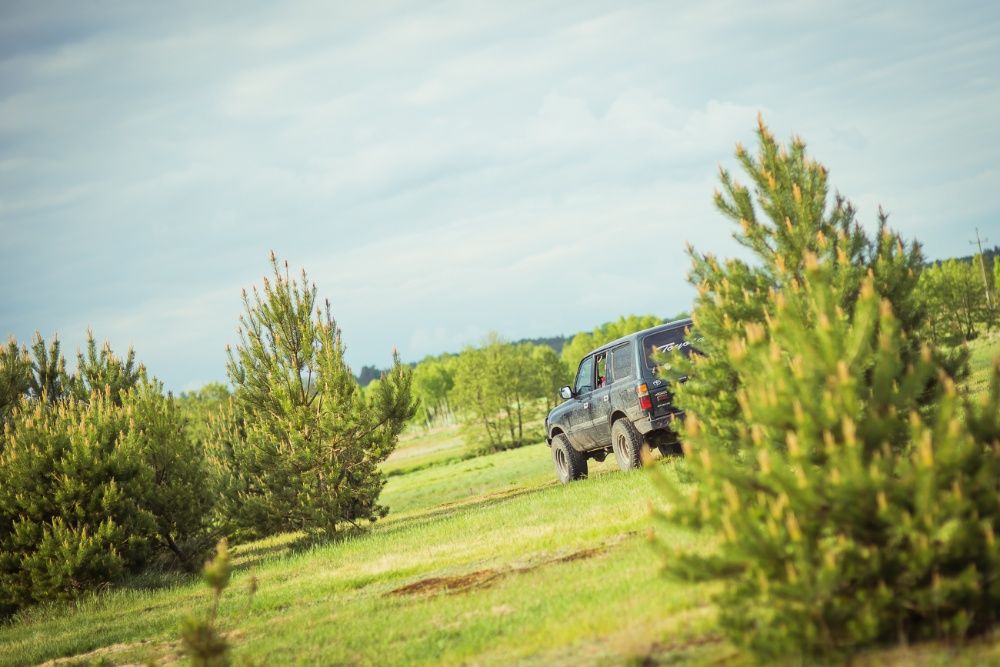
(630, 447)
(570, 464)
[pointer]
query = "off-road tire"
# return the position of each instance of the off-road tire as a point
(570, 464)
(631, 450)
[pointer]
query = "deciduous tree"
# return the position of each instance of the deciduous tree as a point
(433, 381)
(498, 389)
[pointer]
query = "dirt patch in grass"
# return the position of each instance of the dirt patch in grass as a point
(95, 656)
(456, 584)
(167, 653)
(583, 554)
(480, 579)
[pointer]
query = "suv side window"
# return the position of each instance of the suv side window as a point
(585, 376)
(621, 362)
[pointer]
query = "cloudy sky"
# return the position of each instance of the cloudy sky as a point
(446, 169)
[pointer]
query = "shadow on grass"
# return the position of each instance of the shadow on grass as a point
(152, 580)
(249, 555)
(245, 556)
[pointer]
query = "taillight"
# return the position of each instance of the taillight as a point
(644, 401)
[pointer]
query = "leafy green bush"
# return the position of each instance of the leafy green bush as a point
(854, 494)
(92, 489)
(299, 445)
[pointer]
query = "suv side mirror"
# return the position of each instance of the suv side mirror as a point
(566, 393)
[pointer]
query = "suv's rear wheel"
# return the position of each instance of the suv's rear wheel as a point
(630, 448)
(570, 464)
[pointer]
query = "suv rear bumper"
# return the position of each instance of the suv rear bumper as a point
(664, 423)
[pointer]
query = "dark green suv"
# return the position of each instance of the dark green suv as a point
(619, 403)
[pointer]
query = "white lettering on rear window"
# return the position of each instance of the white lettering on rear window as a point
(677, 346)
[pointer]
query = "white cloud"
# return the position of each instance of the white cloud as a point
(446, 170)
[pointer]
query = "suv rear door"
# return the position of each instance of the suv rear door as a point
(618, 392)
(600, 401)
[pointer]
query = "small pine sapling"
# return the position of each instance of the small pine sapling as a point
(201, 639)
(299, 445)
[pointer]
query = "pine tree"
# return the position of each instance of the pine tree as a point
(99, 370)
(15, 377)
(857, 516)
(41, 372)
(789, 214)
(198, 407)
(300, 445)
(498, 387)
(201, 639)
(38, 373)
(92, 489)
(49, 378)
(852, 491)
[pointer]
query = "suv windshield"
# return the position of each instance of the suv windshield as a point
(584, 376)
(663, 342)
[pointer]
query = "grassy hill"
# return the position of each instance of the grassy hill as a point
(481, 561)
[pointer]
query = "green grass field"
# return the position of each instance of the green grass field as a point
(481, 561)
(981, 354)
(419, 449)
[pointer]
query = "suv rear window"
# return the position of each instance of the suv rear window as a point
(665, 341)
(621, 362)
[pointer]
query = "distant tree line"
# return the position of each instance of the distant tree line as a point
(369, 374)
(989, 253)
(497, 390)
(960, 297)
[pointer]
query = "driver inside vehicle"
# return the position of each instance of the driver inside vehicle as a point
(602, 368)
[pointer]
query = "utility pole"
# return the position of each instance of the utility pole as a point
(982, 265)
